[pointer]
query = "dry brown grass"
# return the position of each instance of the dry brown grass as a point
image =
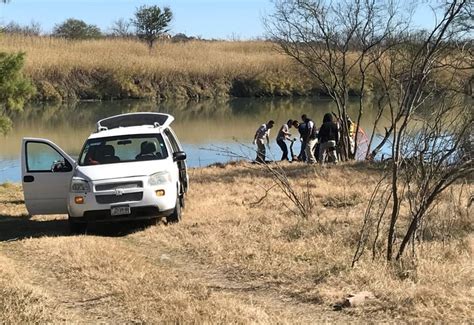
(53, 55)
(118, 68)
(125, 68)
(230, 261)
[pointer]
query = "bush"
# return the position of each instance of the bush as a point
(76, 29)
(14, 88)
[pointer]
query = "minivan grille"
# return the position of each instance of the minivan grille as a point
(108, 199)
(123, 185)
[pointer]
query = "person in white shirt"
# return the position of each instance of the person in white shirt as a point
(284, 134)
(311, 138)
(262, 134)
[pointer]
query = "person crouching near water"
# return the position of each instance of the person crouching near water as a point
(284, 134)
(262, 134)
(328, 137)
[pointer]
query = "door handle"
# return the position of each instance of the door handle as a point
(28, 179)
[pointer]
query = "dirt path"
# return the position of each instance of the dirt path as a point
(61, 300)
(269, 296)
(65, 303)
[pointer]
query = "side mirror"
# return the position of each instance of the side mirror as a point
(179, 156)
(60, 166)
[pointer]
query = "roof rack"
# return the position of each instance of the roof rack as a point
(134, 119)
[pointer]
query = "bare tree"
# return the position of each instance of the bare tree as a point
(417, 89)
(437, 161)
(33, 29)
(300, 201)
(436, 153)
(338, 43)
(121, 28)
(430, 124)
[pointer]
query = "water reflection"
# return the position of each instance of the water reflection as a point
(201, 126)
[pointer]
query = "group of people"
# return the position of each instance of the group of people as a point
(317, 145)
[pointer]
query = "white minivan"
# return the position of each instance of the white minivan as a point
(133, 167)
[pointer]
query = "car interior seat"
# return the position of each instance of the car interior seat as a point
(148, 151)
(106, 154)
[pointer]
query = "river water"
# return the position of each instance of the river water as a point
(208, 130)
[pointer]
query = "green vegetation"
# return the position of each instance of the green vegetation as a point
(151, 23)
(15, 89)
(76, 29)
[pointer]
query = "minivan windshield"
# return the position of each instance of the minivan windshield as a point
(121, 149)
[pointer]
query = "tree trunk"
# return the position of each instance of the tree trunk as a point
(379, 147)
(410, 232)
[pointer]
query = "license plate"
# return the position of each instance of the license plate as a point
(118, 211)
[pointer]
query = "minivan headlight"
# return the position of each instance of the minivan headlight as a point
(80, 186)
(159, 178)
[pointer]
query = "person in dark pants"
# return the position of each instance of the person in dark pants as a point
(261, 135)
(303, 136)
(284, 134)
(328, 137)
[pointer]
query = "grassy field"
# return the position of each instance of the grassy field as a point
(125, 68)
(121, 68)
(234, 261)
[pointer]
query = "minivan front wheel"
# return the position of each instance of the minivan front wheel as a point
(182, 201)
(175, 217)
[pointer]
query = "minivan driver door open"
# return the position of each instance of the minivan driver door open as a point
(46, 172)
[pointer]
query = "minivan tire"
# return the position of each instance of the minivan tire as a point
(175, 217)
(182, 202)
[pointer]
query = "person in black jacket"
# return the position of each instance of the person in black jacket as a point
(328, 137)
(303, 135)
(311, 140)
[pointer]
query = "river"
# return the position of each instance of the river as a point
(208, 129)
